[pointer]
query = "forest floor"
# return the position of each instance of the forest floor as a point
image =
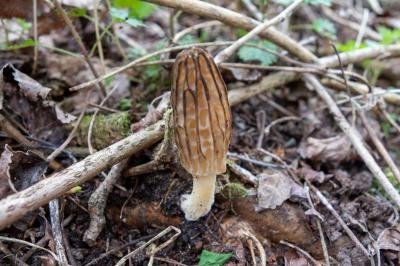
(89, 172)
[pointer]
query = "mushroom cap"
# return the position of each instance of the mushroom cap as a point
(201, 113)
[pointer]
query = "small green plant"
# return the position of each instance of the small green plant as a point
(208, 258)
(23, 44)
(233, 190)
(389, 36)
(324, 27)
(250, 53)
(122, 15)
(77, 12)
(137, 9)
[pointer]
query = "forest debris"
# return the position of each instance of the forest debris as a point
(356, 184)
(28, 99)
(155, 249)
(243, 174)
(286, 222)
(243, 74)
(143, 215)
(390, 239)
(97, 203)
(5, 161)
(329, 150)
(274, 188)
(17, 205)
(19, 170)
(14, 81)
(154, 114)
(311, 175)
(107, 129)
(234, 231)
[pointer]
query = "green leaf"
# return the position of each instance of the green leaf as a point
(389, 36)
(152, 71)
(247, 53)
(25, 25)
(187, 39)
(77, 12)
(136, 52)
(122, 15)
(24, 44)
(324, 27)
(208, 258)
(349, 46)
(137, 9)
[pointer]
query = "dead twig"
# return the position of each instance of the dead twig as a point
(379, 146)
(238, 20)
(348, 231)
(23, 242)
(82, 47)
(17, 205)
(104, 255)
(97, 203)
(321, 232)
(229, 51)
(56, 231)
(71, 135)
(355, 139)
(163, 245)
(259, 246)
(301, 251)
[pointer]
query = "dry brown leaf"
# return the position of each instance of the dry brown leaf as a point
(311, 175)
(29, 100)
(330, 150)
(390, 239)
(30, 88)
(274, 188)
(19, 169)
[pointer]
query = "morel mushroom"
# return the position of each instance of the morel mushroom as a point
(202, 126)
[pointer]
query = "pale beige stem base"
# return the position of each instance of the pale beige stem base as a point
(200, 201)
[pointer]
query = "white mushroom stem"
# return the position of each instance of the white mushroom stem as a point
(199, 202)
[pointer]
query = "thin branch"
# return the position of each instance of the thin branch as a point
(23, 242)
(80, 44)
(35, 36)
(225, 54)
(238, 20)
(355, 139)
(97, 203)
(18, 204)
(71, 135)
(380, 147)
(56, 231)
(301, 251)
(348, 231)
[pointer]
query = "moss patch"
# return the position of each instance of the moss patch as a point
(107, 129)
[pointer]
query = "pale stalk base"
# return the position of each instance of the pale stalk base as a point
(200, 201)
